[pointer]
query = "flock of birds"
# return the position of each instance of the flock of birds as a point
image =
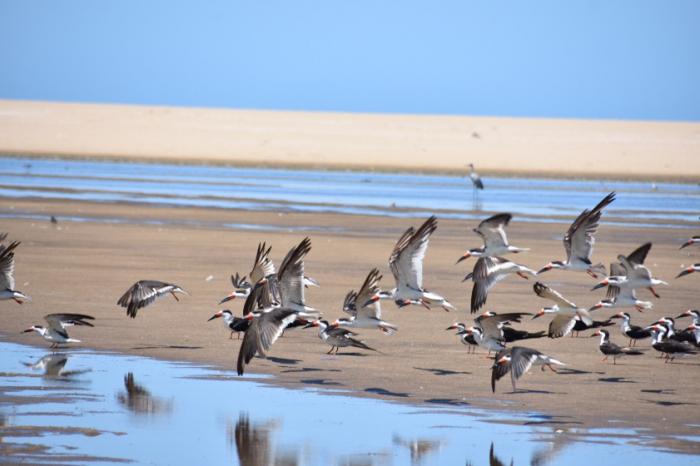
(275, 298)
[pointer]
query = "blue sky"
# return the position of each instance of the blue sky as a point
(622, 59)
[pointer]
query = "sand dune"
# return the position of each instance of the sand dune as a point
(578, 148)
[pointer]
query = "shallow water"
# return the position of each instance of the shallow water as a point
(341, 191)
(86, 407)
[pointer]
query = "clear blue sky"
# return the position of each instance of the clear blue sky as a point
(630, 59)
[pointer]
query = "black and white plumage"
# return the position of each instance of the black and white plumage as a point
(636, 274)
(7, 272)
(608, 348)
(234, 323)
(144, 292)
(579, 240)
(617, 297)
(492, 231)
(490, 341)
(518, 360)
(406, 264)
(688, 270)
(337, 337)
(57, 324)
(266, 326)
(566, 312)
(496, 325)
(241, 288)
(633, 332)
(667, 346)
(467, 338)
(487, 272)
(368, 315)
(693, 240)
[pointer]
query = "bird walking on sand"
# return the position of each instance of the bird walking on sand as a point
(668, 347)
(518, 360)
(492, 231)
(608, 348)
(579, 240)
(406, 264)
(144, 292)
(633, 332)
(234, 323)
(566, 312)
(7, 272)
(337, 337)
(369, 315)
(56, 331)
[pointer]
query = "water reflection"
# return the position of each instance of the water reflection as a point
(255, 444)
(139, 400)
(53, 365)
(419, 448)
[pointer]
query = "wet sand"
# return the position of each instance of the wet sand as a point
(521, 146)
(85, 267)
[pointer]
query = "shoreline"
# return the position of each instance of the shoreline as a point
(529, 147)
(101, 260)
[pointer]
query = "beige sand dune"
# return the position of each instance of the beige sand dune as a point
(572, 148)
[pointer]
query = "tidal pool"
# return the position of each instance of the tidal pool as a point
(85, 407)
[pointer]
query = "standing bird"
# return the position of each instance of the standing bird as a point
(7, 273)
(144, 292)
(579, 240)
(518, 360)
(633, 332)
(265, 328)
(487, 272)
(670, 348)
(492, 231)
(636, 274)
(233, 323)
(56, 331)
(477, 185)
(465, 337)
(406, 264)
(488, 341)
(370, 315)
(567, 313)
(337, 337)
(689, 270)
(608, 348)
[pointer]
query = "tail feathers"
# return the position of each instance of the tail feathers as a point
(632, 351)
(534, 335)
(359, 344)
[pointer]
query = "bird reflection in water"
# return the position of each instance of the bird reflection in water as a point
(255, 444)
(53, 364)
(139, 400)
(419, 448)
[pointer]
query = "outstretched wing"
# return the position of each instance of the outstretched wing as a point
(544, 291)
(492, 230)
(579, 239)
(369, 288)
(409, 253)
(7, 266)
(262, 333)
(291, 275)
(143, 293)
(639, 255)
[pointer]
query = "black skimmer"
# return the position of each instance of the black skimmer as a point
(53, 364)
(406, 263)
(487, 341)
(241, 288)
(492, 231)
(636, 274)
(671, 332)
(465, 337)
(692, 313)
(633, 332)
(370, 315)
(337, 337)
(144, 292)
(692, 240)
(608, 348)
(579, 240)
(689, 270)
(487, 272)
(233, 323)
(621, 297)
(265, 328)
(518, 360)
(695, 330)
(669, 348)
(7, 273)
(56, 331)
(567, 313)
(496, 326)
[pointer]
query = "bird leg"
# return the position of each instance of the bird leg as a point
(653, 291)
(639, 308)
(551, 368)
(337, 348)
(174, 296)
(591, 273)
(522, 275)
(17, 301)
(331, 350)
(425, 303)
(604, 359)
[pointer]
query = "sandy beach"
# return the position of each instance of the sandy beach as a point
(557, 148)
(84, 267)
